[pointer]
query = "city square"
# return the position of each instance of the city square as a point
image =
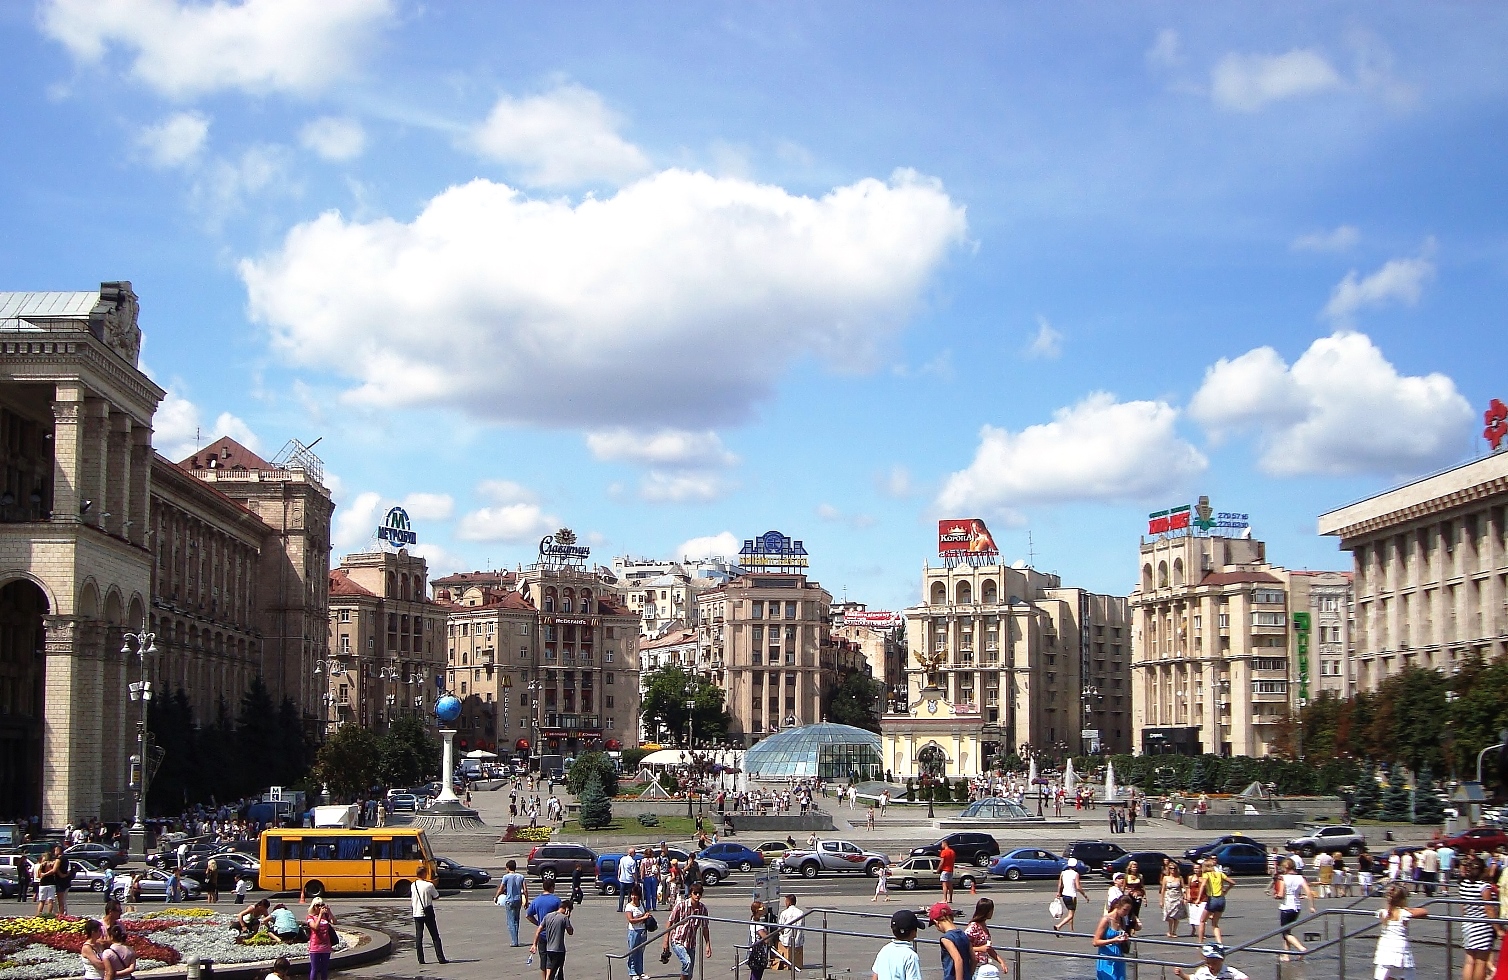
(441, 435)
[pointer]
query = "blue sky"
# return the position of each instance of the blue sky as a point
(674, 276)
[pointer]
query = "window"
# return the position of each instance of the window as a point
(1270, 687)
(345, 615)
(523, 629)
(790, 610)
(611, 723)
(1224, 620)
(609, 657)
(610, 680)
(1269, 619)
(756, 609)
(1271, 597)
(1269, 663)
(607, 701)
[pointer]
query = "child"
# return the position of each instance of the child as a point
(881, 884)
(243, 888)
(898, 959)
(1394, 959)
(1214, 967)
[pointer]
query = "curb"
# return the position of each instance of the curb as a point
(379, 946)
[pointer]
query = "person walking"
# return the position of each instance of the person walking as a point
(1216, 885)
(321, 925)
(628, 874)
(898, 959)
(637, 915)
(957, 957)
(552, 934)
(881, 884)
(24, 871)
(1170, 892)
(1111, 939)
(792, 936)
(1068, 894)
(47, 889)
(512, 892)
(686, 924)
(758, 957)
(1476, 937)
(212, 880)
(649, 877)
(1394, 958)
(981, 945)
(544, 903)
(1364, 873)
(422, 894)
(1290, 888)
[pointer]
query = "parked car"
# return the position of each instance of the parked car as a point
(969, 848)
(561, 860)
(1241, 859)
(38, 849)
(154, 885)
(453, 875)
(1195, 853)
(738, 856)
(88, 877)
(772, 849)
(1148, 865)
(229, 865)
(1478, 839)
(403, 803)
(922, 872)
(1348, 840)
(832, 855)
(102, 854)
(167, 854)
(1093, 853)
(1028, 862)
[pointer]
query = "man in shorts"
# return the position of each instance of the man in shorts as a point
(945, 860)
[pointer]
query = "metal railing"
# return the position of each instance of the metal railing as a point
(1022, 946)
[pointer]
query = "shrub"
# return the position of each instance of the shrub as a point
(648, 820)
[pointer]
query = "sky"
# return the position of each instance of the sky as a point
(674, 275)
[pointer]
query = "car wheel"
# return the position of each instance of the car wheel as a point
(746, 865)
(1307, 850)
(909, 884)
(710, 877)
(872, 869)
(314, 888)
(400, 889)
(97, 886)
(967, 881)
(981, 860)
(809, 870)
(1354, 850)
(468, 883)
(1012, 874)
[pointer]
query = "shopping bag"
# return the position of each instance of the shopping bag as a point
(1055, 908)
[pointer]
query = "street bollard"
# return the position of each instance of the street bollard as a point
(192, 963)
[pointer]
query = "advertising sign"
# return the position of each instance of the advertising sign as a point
(1164, 521)
(873, 619)
(1301, 623)
(772, 552)
(561, 548)
(1495, 424)
(395, 529)
(967, 535)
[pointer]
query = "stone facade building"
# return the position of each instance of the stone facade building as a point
(386, 641)
(1430, 566)
(1218, 662)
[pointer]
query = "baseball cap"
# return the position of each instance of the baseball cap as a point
(903, 922)
(1212, 951)
(939, 911)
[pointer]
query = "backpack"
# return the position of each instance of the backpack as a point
(759, 955)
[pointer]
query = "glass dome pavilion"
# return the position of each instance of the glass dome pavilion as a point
(829, 751)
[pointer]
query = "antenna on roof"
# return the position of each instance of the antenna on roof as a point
(296, 456)
(1031, 555)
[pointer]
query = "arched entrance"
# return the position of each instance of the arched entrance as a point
(22, 662)
(932, 761)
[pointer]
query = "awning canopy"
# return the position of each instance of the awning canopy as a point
(480, 754)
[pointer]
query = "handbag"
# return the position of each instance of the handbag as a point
(1055, 908)
(649, 923)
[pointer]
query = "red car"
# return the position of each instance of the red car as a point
(1478, 839)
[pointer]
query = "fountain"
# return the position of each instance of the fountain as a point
(1031, 776)
(1111, 793)
(1070, 778)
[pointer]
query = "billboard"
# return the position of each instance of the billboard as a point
(772, 552)
(965, 536)
(1166, 521)
(874, 619)
(395, 529)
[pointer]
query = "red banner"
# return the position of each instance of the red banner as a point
(968, 535)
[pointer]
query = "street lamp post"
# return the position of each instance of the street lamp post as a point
(334, 668)
(140, 773)
(690, 767)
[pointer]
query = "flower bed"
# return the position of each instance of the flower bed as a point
(33, 948)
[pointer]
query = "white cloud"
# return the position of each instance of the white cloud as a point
(1164, 52)
(682, 295)
(723, 545)
(176, 140)
(559, 139)
(429, 506)
(356, 520)
(184, 49)
(178, 431)
(896, 483)
(224, 185)
(1249, 82)
(1342, 408)
(334, 138)
(1099, 449)
(441, 560)
(665, 447)
(1341, 239)
(511, 523)
(1047, 343)
(505, 492)
(1398, 281)
(832, 515)
(683, 487)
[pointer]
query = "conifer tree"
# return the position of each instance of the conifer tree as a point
(596, 808)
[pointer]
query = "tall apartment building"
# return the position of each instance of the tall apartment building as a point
(664, 593)
(1006, 658)
(386, 641)
(1331, 608)
(290, 498)
(767, 637)
(1430, 567)
(1219, 657)
(554, 668)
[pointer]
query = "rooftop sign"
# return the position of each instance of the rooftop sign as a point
(874, 619)
(772, 552)
(968, 535)
(561, 548)
(1495, 424)
(395, 529)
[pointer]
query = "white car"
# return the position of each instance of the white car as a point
(154, 885)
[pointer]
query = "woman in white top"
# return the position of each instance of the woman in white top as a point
(1394, 960)
(1068, 894)
(97, 966)
(636, 915)
(1289, 887)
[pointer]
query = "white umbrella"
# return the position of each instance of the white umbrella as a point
(480, 754)
(1070, 778)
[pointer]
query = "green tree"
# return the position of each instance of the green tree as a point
(1367, 800)
(596, 809)
(631, 759)
(255, 746)
(292, 754)
(587, 766)
(410, 753)
(349, 762)
(1239, 774)
(1427, 806)
(666, 691)
(1198, 778)
(1395, 798)
(855, 700)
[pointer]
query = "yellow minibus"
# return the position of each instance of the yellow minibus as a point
(363, 860)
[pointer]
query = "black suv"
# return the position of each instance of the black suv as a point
(563, 860)
(1093, 853)
(968, 848)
